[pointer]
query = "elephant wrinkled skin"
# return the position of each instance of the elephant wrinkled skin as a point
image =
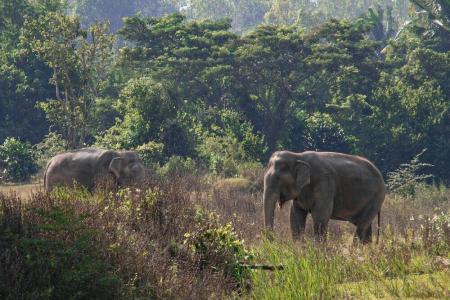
(328, 185)
(85, 166)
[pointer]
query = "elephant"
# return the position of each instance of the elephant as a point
(85, 166)
(329, 185)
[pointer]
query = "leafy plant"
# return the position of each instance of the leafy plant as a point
(17, 161)
(152, 153)
(212, 244)
(52, 144)
(80, 60)
(177, 165)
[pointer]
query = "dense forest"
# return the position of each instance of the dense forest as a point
(227, 82)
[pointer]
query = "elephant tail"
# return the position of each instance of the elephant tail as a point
(378, 227)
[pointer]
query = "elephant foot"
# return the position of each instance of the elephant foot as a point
(363, 234)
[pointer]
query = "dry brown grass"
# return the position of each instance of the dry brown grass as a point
(24, 191)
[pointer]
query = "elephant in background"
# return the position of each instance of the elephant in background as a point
(85, 166)
(328, 185)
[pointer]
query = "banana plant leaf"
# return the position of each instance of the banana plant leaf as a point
(439, 11)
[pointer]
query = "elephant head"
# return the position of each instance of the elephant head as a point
(126, 166)
(283, 181)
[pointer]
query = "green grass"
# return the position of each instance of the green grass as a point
(345, 271)
(434, 285)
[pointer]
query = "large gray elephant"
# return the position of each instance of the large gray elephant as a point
(328, 185)
(85, 166)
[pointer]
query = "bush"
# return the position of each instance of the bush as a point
(125, 244)
(17, 161)
(52, 254)
(405, 179)
(217, 245)
(51, 145)
(151, 153)
(177, 165)
(225, 155)
(229, 142)
(436, 233)
(324, 134)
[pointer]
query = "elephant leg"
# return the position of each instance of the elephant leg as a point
(320, 229)
(323, 207)
(298, 220)
(320, 220)
(364, 233)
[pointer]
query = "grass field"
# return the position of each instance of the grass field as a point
(155, 243)
(21, 190)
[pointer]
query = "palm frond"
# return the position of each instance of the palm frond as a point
(439, 11)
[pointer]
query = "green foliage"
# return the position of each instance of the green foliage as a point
(60, 268)
(79, 60)
(17, 161)
(151, 153)
(405, 179)
(244, 14)
(51, 145)
(24, 78)
(230, 142)
(177, 166)
(204, 92)
(318, 132)
(217, 245)
(145, 106)
(223, 154)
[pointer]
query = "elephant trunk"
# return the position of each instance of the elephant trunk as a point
(270, 200)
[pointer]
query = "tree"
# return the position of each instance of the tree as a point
(244, 14)
(17, 161)
(94, 11)
(147, 108)
(438, 10)
(79, 60)
(24, 78)
(269, 65)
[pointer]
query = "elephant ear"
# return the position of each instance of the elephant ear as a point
(303, 173)
(117, 164)
(105, 160)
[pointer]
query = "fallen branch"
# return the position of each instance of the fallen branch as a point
(262, 267)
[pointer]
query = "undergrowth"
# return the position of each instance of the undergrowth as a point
(186, 237)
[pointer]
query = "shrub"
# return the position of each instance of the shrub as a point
(324, 134)
(217, 245)
(177, 165)
(51, 145)
(152, 153)
(436, 233)
(229, 142)
(17, 161)
(52, 254)
(124, 244)
(405, 179)
(318, 131)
